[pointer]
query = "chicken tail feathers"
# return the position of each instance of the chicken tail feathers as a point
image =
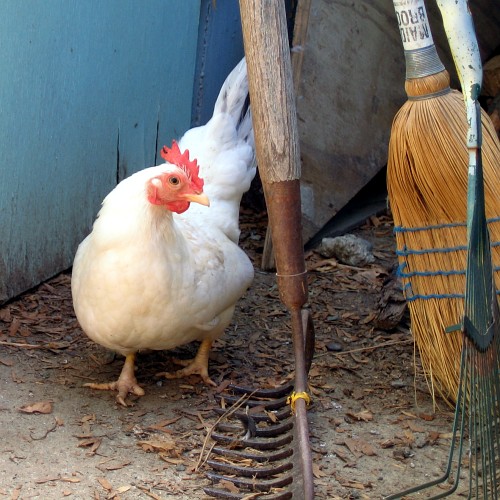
(234, 100)
(234, 92)
(224, 147)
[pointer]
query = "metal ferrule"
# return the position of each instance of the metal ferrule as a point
(422, 62)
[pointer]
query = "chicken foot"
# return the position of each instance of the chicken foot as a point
(196, 366)
(126, 383)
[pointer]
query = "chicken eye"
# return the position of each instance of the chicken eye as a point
(174, 180)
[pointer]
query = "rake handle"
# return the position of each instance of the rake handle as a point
(277, 148)
(276, 139)
(270, 83)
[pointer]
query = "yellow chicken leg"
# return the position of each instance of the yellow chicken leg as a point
(196, 366)
(126, 383)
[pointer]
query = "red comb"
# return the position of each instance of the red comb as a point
(175, 157)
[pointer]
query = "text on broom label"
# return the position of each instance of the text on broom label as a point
(413, 23)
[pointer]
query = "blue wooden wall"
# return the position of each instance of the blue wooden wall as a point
(89, 92)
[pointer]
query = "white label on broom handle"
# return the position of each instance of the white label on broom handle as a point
(413, 24)
(459, 28)
(421, 57)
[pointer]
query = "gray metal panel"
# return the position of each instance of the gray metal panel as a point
(85, 89)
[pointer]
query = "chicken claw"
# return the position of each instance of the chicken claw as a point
(196, 366)
(126, 383)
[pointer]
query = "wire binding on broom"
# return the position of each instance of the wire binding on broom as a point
(405, 252)
(403, 229)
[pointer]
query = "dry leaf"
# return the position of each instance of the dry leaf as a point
(413, 426)
(426, 417)
(123, 489)
(315, 371)
(14, 327)
(408, 414)
(92, 443)
(347, 483)
(44, 407)
(317, 472)
(16, 493)
(160, 426)
(105, 483)
(58, 478)
(341, 453)
(433, 437)
(5, 314)
(161, 444)
(358, 447)
(388, 443)
(272, 416)
(149, 493)
(228, 485)
(364, 415)
(46, 480)
(116, 467)
(368, 318)
(409, 437)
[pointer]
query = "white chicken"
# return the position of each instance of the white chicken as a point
(155, 272)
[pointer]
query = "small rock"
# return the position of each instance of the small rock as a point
(334, 347)
(398, 384)
(348, 249)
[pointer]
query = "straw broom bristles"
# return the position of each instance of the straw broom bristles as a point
(427, 185)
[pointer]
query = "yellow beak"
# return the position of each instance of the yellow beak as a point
(201, 198)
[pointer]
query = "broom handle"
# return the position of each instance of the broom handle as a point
(459, 28)
(461, 35)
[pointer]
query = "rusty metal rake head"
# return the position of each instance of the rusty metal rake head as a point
(256, 449)
(261, 440)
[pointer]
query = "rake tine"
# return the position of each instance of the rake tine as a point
(255, 472)
(281, 414)
(256, 457)
(257, 444)
(252, 484)
(225, 494)
(280, 428)
(273, 393)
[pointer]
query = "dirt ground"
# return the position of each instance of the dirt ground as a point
(373, 426)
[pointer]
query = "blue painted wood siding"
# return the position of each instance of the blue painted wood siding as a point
(89, 92)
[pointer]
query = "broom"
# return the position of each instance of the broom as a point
(478, 403)
(427, 184)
